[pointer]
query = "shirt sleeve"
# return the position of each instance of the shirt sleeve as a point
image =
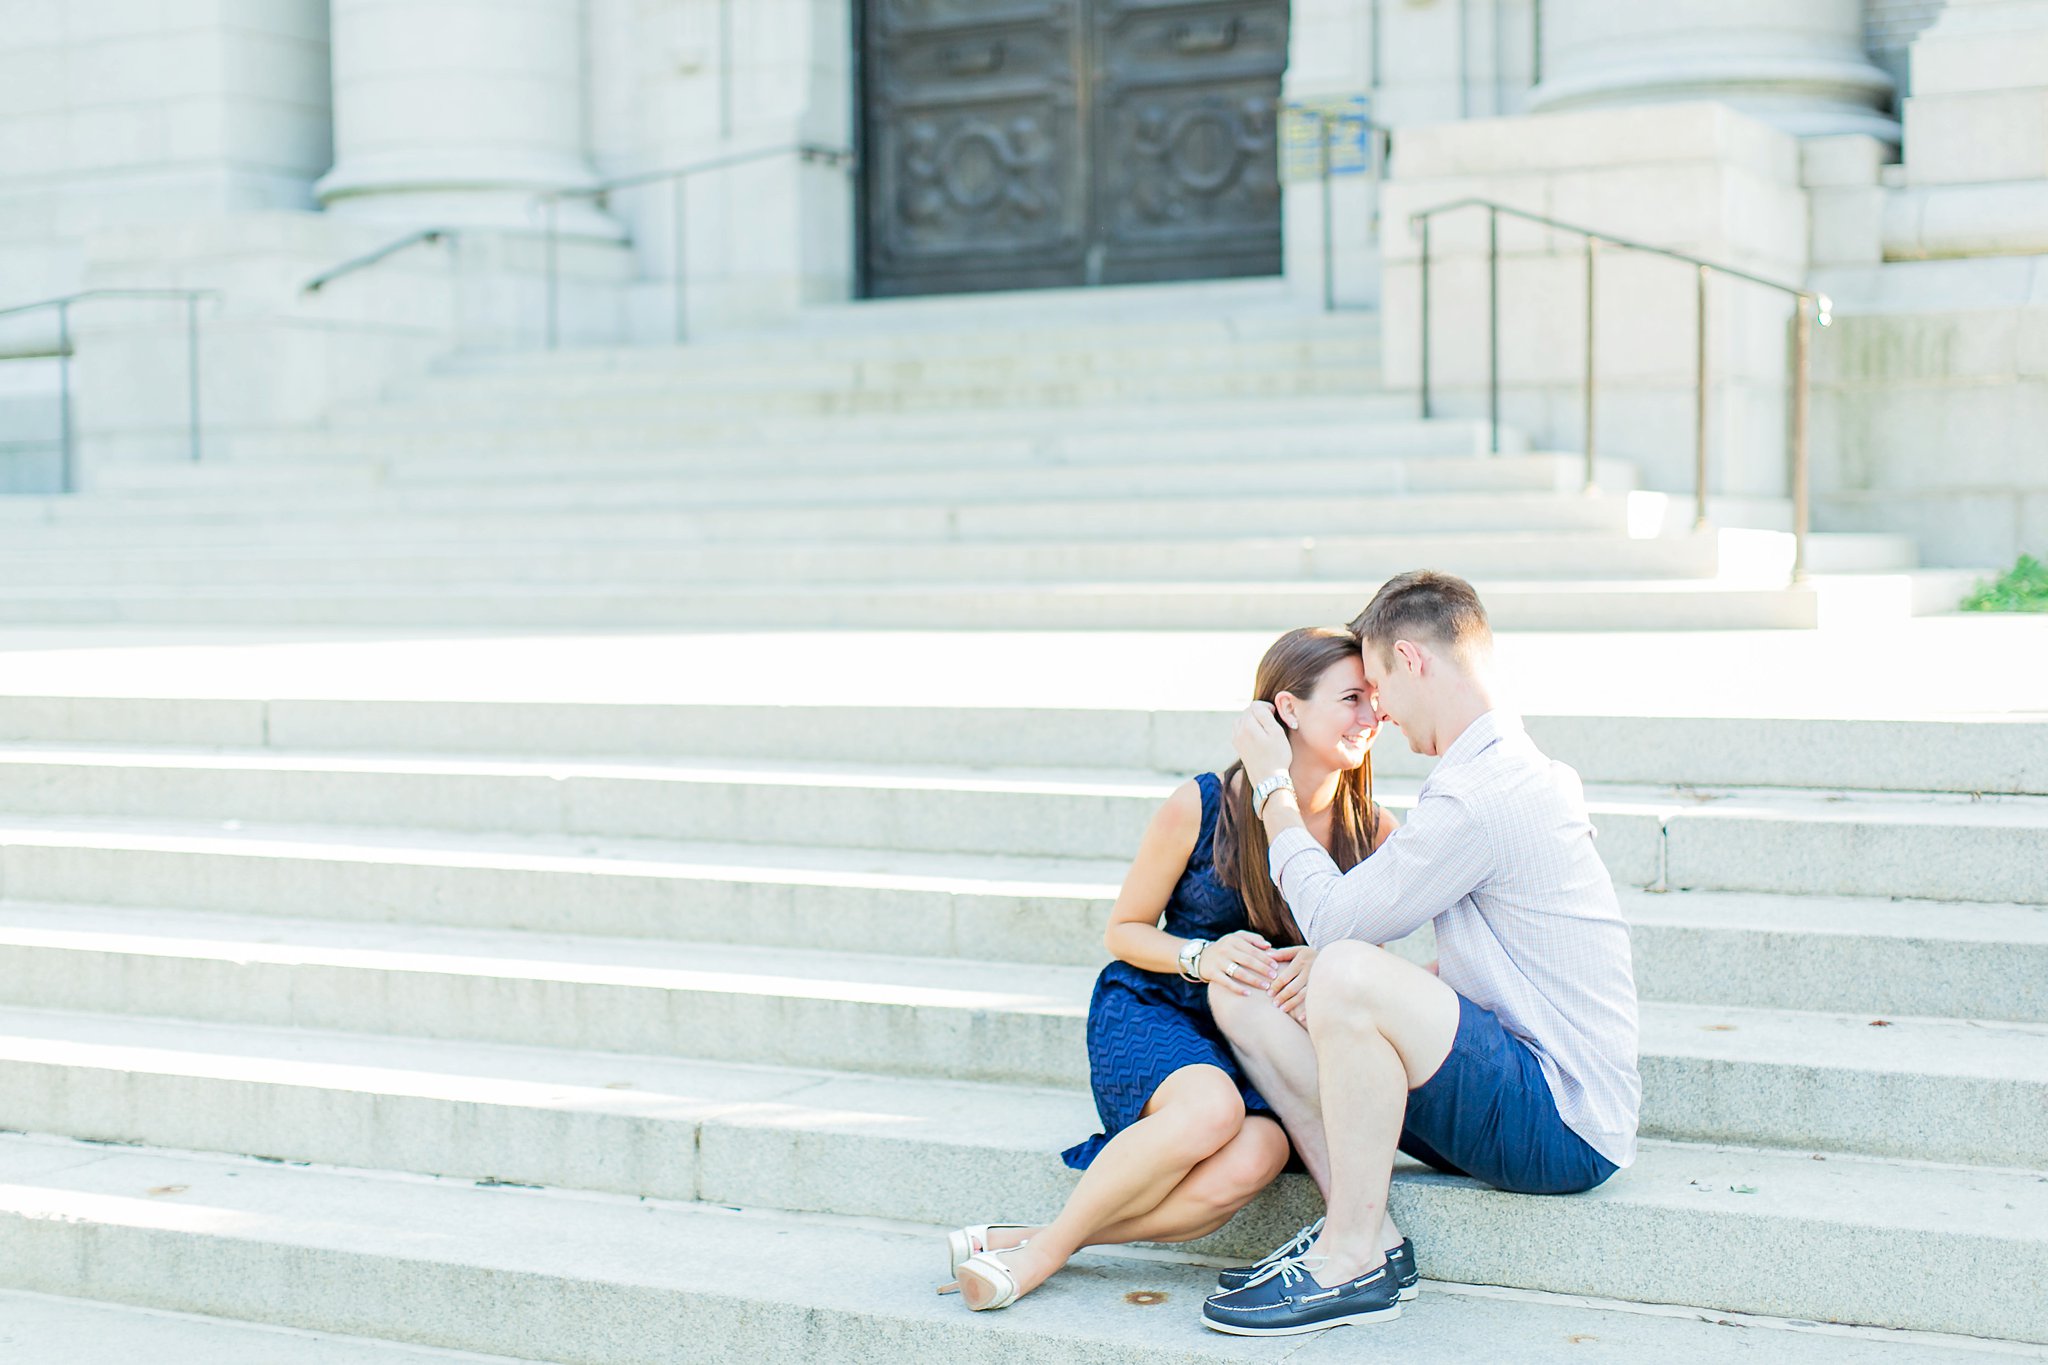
(1424, 868)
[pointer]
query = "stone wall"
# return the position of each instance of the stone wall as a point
(120, 112)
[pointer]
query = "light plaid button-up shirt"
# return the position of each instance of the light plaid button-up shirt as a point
(1499, 852)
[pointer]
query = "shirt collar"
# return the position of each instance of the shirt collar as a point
(1480, 736)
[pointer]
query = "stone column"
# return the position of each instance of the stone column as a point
(1976, 148)
(1796, 64)
(457, 112)
(1328, 62)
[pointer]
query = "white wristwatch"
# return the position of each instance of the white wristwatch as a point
(1263, 793)
(1191, 959)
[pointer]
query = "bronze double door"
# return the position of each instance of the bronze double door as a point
(1021, 144)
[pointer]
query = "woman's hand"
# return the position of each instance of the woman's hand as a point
(1290, 984)
(1241, 962)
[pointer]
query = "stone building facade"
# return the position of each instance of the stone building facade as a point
(250, 146)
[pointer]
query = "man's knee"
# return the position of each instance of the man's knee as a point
(1344, 989)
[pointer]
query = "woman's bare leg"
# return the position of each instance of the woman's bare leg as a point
(1213, 1192)
(1195, 1113)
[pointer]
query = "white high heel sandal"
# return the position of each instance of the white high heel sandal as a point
(986, 1283)
(963, 1244)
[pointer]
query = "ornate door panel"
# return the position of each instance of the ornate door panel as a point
(1187, 143)
(1017, 144)
(976, 150)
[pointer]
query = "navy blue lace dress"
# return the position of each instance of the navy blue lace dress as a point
(1144, 1026)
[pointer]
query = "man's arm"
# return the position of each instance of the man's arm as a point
(1426, 867)
(1423, 869)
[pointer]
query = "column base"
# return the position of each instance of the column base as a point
(1804, 96)
(1923, 223)
(432, 190)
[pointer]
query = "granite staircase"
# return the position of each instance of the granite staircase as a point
(562, 1035)
(402, 1023)
(1189, 457)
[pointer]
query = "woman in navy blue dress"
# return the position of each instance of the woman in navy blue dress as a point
(1186, 1141)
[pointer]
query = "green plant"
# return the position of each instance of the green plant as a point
(2023, 587)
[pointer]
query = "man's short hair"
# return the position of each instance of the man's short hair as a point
(1424, 604)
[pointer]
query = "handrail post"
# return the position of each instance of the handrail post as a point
(1802, 345)
(1329, 220)
(1699, 416)
(1591, 479)
(550, 205)
(192, 374)
(681, 207)
(1425, 319)
(68, 475)
(1493, 324)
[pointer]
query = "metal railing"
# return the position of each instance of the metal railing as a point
(679, 176)
(63, 306)
(421, 237)
(1810, 306)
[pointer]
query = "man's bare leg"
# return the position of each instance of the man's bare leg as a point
(1380, 1027)
(1279, 1057)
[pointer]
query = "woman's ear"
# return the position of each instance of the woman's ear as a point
(1283, 707)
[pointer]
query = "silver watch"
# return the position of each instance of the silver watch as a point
(1191, 959)
(1263, 793)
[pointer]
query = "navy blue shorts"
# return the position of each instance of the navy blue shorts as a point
(1487, 1113)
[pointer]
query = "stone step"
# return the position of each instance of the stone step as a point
(1966, 1091)
(965, 361)
(993, 389)
(1981, 754)
(718, 478)
(1925, 845)
(1879, 957)
(996, 326)
(41, 1329)
(1867, 601)
(1743, 556)
(1325, 417)
(602, 1281)
(679, 518)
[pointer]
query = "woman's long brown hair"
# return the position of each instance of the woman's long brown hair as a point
(1294, 664)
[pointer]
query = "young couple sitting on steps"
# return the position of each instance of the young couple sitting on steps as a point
(1250, 1014)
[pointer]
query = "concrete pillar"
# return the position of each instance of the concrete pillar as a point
(1796, 64)
(456, 112)
(1976, 145)
(1329, 61)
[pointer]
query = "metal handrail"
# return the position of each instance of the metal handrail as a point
(1812, 305)
(550, 202)
(64, 304)
(419, 237)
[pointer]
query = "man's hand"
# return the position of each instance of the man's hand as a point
(1290, 986)
(1261, 742)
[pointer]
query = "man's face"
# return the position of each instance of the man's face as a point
(1397, 694)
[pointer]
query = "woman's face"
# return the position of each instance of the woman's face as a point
(1335, 722)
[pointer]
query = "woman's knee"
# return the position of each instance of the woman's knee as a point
(1252, 1160)
(1204, 1108)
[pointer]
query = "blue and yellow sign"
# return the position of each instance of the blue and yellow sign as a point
(1342, 122)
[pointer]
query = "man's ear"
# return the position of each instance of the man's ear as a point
(1411, 655)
